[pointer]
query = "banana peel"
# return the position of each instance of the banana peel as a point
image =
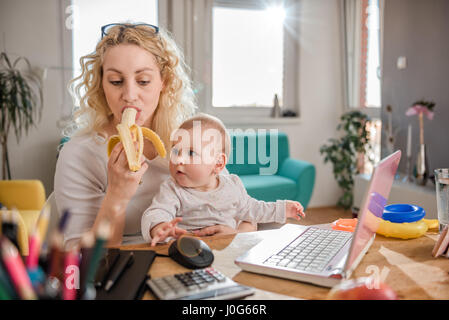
(129, 133)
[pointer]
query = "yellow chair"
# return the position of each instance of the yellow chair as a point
(22, 233)
(28, 197)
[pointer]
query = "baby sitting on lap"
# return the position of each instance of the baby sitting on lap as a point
(196, 195)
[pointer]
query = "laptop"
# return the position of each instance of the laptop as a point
(320, 255)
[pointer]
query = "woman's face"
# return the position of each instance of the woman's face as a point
(131, 78)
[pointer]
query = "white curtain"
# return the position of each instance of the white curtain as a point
(190, 22)
(352, 16)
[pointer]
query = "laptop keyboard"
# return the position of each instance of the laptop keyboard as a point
(311, 251)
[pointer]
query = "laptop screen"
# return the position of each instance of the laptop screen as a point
(374, 200)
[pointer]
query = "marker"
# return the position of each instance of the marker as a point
(32, 261)
(103, 233)
(117, 272)
(71, 264)
(57, 248)
(5, 284)
(86, 243)
(16, 269)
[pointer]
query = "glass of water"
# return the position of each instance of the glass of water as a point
(442, 185)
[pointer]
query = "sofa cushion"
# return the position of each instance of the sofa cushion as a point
(245, 157)
(269, 188)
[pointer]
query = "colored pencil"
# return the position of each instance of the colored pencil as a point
(102, 235)
(16, 269)
(71, 264)
(32, 261)
(43, 220)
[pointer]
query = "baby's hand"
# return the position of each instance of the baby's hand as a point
(166, 229)
(294, 210)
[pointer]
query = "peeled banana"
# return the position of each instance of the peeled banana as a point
(129, 133)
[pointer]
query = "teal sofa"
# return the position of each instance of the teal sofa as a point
(270, 175)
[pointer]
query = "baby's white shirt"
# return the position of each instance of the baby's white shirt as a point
(227, 205)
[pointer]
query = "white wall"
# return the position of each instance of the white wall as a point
(33, 29)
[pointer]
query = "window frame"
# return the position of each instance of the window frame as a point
(290, 94)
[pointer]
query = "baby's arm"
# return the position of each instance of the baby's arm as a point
(163, 209)
(261, 211)
(294, 209)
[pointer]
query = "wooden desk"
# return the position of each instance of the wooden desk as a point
(407, 265)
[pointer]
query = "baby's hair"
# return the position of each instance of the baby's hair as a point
(210, 122)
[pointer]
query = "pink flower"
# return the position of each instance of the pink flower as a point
(418, 109)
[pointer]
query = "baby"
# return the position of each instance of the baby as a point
(196, 195)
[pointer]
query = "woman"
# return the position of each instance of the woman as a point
(134, 65)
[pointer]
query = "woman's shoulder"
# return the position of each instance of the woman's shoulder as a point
(85, 144)
(86, 148)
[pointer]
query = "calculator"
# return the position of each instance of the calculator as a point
(207, 283)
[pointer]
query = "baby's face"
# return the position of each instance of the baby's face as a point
(194, 158)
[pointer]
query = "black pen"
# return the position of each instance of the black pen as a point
(119, 270)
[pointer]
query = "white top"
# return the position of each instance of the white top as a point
(81, 181)
(226, 204)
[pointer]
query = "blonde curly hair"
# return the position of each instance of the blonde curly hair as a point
(176, 101)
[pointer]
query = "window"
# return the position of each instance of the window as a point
(362, 27)
(252, 41)
(249, 50)
(89, 16)
(370, 83)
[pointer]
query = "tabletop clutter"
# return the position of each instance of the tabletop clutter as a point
(49, 271)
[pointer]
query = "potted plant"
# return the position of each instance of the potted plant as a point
(20, 102)
(345, 152)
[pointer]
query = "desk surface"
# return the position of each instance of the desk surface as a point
(407, 266)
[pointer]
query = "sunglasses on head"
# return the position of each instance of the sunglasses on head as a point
(106, 28)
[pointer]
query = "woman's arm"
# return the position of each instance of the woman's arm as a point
(122, 185)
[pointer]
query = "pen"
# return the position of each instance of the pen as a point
(117, 272)
(106, 265)
(16, 269)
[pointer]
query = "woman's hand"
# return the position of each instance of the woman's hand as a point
(122, 182)
(122, 185)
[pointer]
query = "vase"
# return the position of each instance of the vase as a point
(422, 166)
